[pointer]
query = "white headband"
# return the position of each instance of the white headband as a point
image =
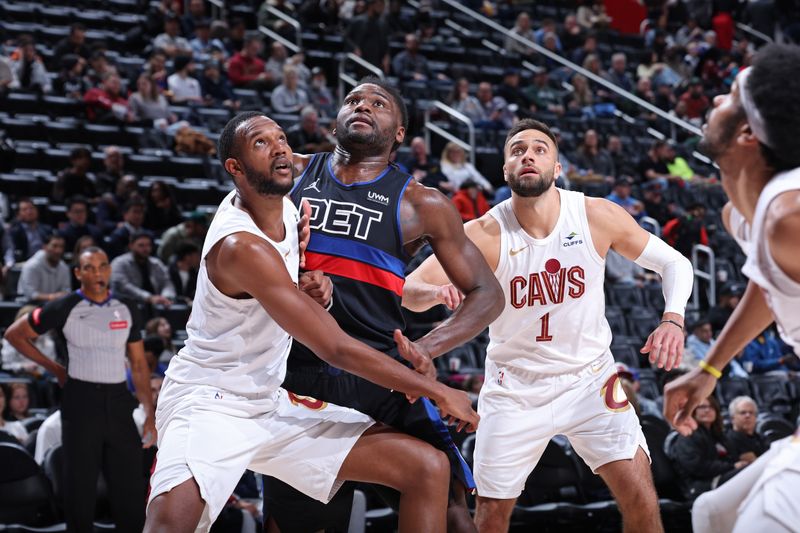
(754, 117)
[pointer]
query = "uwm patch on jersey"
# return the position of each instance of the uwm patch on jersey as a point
(548, 286)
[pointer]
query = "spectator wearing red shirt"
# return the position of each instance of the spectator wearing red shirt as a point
(684, 232)
(106, 104)
(697, 103)
(470, 201)
(246, 69)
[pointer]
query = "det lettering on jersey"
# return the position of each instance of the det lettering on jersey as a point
(344, 218)
(548, 286)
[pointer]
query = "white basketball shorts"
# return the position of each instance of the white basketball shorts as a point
(521, 411)
(214, 436)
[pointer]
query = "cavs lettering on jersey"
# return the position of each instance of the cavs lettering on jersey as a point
(554, 316)
(356, 241)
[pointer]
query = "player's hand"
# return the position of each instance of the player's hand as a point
(149, 432)
(449, 295)
(317, 285)
(60, 373)
(417, 355)
(304, 230)
(456, 407)
(683, 395)
(665, 346)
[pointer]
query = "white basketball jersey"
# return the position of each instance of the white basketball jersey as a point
(781, 292)
(554, 317)
(233, 343)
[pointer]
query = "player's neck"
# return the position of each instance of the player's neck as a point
(538, 215)
(266, 212)
(352, 167)
(744, 185)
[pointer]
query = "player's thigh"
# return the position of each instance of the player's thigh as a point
(510, 441)
(412, 460)
(630, 480)
(306, 442)
(201, 449)
(604, 427)
(715, 511)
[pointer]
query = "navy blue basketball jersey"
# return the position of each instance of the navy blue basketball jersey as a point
(356, 240)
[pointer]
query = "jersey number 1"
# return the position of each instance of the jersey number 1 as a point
(545, 336)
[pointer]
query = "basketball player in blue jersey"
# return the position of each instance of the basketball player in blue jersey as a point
(368, 219)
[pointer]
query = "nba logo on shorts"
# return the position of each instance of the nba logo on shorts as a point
(501, 375)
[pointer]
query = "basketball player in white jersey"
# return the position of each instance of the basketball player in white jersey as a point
(221, 409)
(548, 366)
(753, 133)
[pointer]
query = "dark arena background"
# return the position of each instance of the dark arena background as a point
(110, 112)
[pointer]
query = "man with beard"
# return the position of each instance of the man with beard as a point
(368, 219)
(753, 133)
(549, 369)
(221, 409)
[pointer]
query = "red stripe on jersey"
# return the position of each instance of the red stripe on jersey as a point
(347, 268)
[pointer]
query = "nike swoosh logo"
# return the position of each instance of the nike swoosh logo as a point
(513, 252)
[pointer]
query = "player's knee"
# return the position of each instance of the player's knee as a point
(431, 465)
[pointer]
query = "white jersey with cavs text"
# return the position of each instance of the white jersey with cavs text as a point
(554, 316)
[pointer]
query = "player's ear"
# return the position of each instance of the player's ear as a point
(745, 135)
(232, 167)
(505, 173)
(400, 135)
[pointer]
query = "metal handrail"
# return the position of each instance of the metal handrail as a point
(217, 9)
(344, 77)
(572, 66)
(278, 37)
(709, 276)
(294, 23)
(754, 32)
(461, 117)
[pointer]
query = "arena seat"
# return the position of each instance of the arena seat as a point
(25, 494)
(774, 428)
(665, 478)
(731, 387)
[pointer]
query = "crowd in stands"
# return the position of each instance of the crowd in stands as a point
(176, 75)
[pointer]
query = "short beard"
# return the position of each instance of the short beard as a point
(715, 147)
(532, 189)
(372, 143)
(263, 183)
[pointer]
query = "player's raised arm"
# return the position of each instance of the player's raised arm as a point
(626, 237)
(428, 284)
(435, 218)
(243, 264)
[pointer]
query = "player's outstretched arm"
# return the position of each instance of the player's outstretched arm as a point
(435, 218)
(242, 264)
(610, 221)
(751, 317)
(429, 285)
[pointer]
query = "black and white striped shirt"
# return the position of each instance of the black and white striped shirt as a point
(96, 333)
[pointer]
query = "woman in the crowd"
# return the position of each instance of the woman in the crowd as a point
(18, 402)
(161, 328)
(457, 169)
(13, 428)
(148, 104)
(702, 459)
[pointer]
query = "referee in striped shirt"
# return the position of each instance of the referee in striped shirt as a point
(98, 431)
